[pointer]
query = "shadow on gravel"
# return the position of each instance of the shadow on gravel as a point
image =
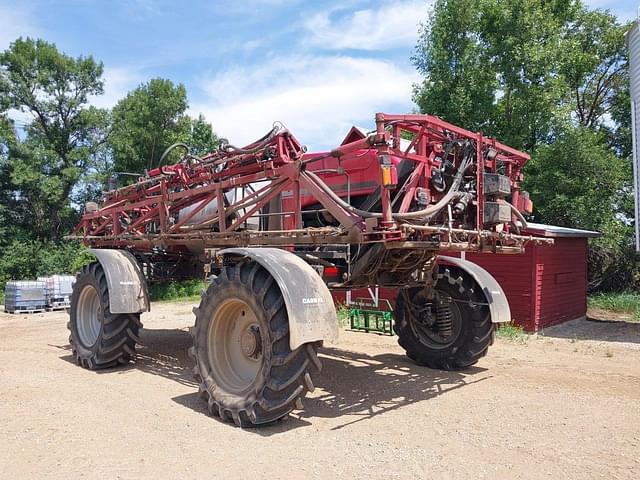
(162, 352)
(597, 329)
(357, 387)
(352, 386)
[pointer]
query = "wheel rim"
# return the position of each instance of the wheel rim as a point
(88, 316)
(234, 346)
(425, 326)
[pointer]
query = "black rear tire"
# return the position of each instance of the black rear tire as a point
(473, 331)
(247, 372)
(104, 339)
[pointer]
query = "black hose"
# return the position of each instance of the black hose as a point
(168, 150)
(255, 146)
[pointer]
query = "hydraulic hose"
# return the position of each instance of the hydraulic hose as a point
(253, 147)
(518, 214)
(168, 150)
(425, 213)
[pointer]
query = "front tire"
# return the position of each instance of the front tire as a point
(99, 339)
(449, 332)
(247, 372)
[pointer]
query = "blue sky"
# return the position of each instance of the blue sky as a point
(318, 66)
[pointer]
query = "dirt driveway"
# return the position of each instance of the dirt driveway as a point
(562, 405)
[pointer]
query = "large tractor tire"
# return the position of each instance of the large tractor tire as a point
(99, 338)
(452, 331)
(247, 372)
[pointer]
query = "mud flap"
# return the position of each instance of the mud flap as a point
(312, 314)
(497, 300)
(125, 281)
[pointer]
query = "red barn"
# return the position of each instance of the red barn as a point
(545, 285)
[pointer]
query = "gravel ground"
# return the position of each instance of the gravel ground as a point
(565, 404)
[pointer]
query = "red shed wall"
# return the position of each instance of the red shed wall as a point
(514, 273)
(561, 281)
(545, 285)
(340, 296)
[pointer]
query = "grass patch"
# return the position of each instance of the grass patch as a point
(183, 290)
(342, 312)
(628, 302)
(510, 331)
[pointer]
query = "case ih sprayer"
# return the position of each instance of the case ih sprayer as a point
(274, 228)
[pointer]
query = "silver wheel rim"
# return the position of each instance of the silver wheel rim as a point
(234, 346)
(88, 316)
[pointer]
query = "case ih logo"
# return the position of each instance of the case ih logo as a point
(311, 300)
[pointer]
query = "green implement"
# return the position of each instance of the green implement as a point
(365, 315)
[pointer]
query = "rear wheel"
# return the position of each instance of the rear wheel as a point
(450, 331)
(99, 338)
(247, 372)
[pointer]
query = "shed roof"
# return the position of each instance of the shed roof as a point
(355, 133)
(358, 133)
(555, 231)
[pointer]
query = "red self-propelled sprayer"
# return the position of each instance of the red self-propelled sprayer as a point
(273, 227)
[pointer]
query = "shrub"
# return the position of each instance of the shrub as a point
(28, 259)
(184, 289)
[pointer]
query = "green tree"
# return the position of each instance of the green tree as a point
(594, 65)
(44, 168)
(523, 38)
(202, 139)
(576, 181)
(7, 140)
(492, 65)
(28, 259)
(580, 181)
(459, 83)
(147, 121)
(517, 69)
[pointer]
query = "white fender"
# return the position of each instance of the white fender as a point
(493, 293)
(312, 314)
(125, 281)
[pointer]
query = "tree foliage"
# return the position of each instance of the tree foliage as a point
(594, 65)
(458, 84)
(585, 176)
(27, 259)
(42, 169)
(146, 122)
(492, 65)
(65, 151)
(202, 139)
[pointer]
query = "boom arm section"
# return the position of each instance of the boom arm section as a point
(425, 184)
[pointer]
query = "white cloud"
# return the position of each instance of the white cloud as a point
(15, 21)
(118, 81)
(393, 24)
(317, 98)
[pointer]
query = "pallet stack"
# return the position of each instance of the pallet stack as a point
(25, 296)
(58, 290)
(45, 293)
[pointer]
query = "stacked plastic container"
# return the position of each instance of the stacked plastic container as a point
(58, 290)
(25, 296)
